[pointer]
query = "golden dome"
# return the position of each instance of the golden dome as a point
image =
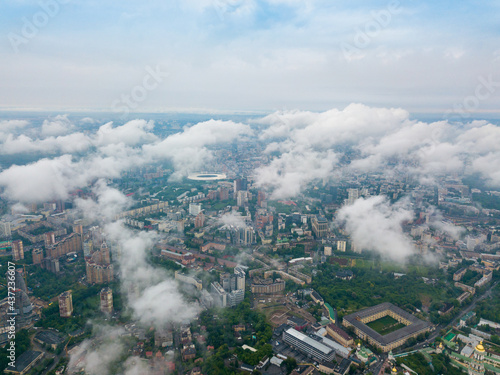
(441, 345)
(480, 347)
(394, 371)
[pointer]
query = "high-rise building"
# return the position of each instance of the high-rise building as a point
(319, 226)
(235, 297)
(78, 228)
(180, 226)
(341, 246)
(50, 239)
(219, 294)
(223, 193)
(51, 264)
(98, 266)
(261, 198)
(240, 278)
(37, 256)
(328, 250)
(246, 236)
(17, 250)
(353, 194)
(87, 248)
(69, 244)
(5, 229)
(241, 198)
(23, 308)
(65, 304)
(105, 256)
(194, 208)
(106, 300)
(199, 220)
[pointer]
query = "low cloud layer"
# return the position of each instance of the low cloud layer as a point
(374, 224)
(303, 144)
(110, 151)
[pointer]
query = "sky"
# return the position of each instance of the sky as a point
(248, 55)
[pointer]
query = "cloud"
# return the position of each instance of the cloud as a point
(367, 139)
(132, 133)
(60, 125)
(72, 143)
(438, 222)
(7, 126)
(374, 224)
(43, 180)
(109, 203)
(188, 149)
(288, 174)
(233, 219)
(97, 355)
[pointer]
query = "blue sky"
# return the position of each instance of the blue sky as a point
(248, 55)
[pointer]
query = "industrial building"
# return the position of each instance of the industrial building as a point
(310, 345)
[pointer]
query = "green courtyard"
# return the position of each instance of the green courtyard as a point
(385, 325)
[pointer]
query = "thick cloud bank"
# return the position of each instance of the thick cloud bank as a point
(375, 224)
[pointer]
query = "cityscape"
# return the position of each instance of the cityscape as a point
(264, 187)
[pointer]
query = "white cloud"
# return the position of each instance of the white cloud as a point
(375, 224)
(60, 125)
(233, 219)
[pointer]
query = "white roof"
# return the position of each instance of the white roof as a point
(315, 344)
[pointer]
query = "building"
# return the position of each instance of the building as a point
(319, 226)
(359, 320)
(457, 276)
(245, 236)
(240, 274)
(219, 294)
(341, 246)
(50, 338)
(476, 364)
(98, 266)
(309, 345)
(65, 304)
(51, 264)
(78, 228)
(343, 367)
(106, 300)
(267, 286)
(194, 208)
(25, 362)
(50, 239)
(17, 250)
(339, 335)
(199, 220)
(5, 229)
(235, 297)
(232, 290)
(68, 244)
(328, 251)
(261, 198)
(37, 256)
(352, 195)
(241, 198)
(189, 280)
(164, 338)
(99, 273)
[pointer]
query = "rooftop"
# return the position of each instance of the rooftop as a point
(415, 325)
(309, 341)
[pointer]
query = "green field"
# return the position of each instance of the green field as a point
(385, 325)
